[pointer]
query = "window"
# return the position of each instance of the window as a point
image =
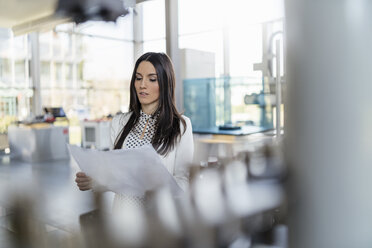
(238, 94)
(6, 71)
(154, 26)
(15, 91)
(85, 69)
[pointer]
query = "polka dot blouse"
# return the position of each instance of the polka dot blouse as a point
(142, 133)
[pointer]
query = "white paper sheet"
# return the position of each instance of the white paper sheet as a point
(126, 171)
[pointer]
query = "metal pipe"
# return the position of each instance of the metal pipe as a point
(278, 90)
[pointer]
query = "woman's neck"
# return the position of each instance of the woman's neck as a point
(149, 109)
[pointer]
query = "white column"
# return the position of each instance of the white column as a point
(171, 23)
(328, 134)
(226, 72)
(35, 74)
(138, 32)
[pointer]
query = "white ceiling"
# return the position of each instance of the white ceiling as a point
(18, 12)
(24, 16)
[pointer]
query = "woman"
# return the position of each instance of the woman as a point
(152, 119)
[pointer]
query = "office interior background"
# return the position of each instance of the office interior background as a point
(86, 68)
(277, 92)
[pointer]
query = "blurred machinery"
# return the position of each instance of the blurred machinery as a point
(235, 202)
(272, 80)
(96, 134)
(41, 138)
(38, 142)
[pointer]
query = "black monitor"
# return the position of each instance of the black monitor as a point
(56, 112)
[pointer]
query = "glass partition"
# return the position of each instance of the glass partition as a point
(228, 103)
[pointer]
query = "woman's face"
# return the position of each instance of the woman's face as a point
(147, 86)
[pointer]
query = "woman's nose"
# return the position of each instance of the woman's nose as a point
(143, 83)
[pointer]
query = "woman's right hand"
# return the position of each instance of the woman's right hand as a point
(83, 181)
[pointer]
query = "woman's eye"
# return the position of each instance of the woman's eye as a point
(137, 78)
(152, 79)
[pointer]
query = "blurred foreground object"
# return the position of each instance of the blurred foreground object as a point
(328, 126)
(28, 227)
(23, 17)
(84, 10)
(234, 202)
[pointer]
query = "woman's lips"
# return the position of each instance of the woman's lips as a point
(143, 94)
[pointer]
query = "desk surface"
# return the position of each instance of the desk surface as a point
(245, 130)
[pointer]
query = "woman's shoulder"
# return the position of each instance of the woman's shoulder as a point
(187, 122)
(121, 118)
(187, 119)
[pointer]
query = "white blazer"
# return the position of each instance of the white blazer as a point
(176, 161)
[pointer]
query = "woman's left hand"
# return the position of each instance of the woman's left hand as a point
(83, 181)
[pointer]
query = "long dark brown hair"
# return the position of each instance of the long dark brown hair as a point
(167, 131)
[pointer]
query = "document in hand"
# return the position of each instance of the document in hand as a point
(126, 171)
